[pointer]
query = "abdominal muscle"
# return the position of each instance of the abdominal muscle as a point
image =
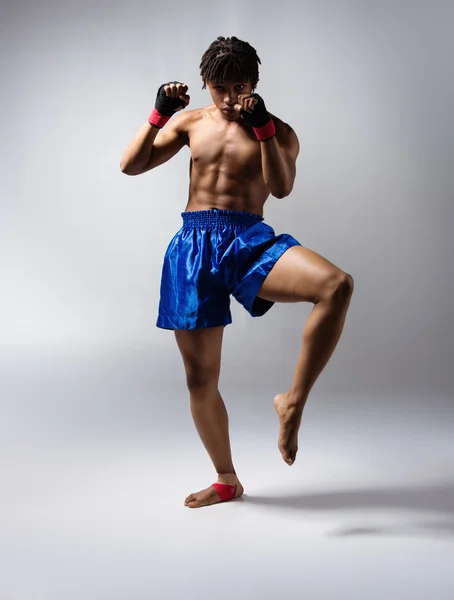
(227, 194)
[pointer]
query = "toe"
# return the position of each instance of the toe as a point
(286, 456)
(292, 455)
(284, 452)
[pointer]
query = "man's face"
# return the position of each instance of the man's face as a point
(225, 96)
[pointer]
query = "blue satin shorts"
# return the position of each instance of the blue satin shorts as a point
(215, 254)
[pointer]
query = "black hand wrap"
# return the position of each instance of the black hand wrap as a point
(167, 106)
(259, 116)
(260, 120)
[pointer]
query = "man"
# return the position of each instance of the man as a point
(240, 154)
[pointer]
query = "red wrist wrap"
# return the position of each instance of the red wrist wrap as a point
(157, 119)
(266, 132)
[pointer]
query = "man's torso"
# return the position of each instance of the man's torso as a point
(226, 163)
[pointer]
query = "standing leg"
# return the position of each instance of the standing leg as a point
(201, 353)
(302, 275)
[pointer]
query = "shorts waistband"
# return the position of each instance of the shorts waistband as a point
(219, 217)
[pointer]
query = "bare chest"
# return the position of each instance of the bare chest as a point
(230, 148)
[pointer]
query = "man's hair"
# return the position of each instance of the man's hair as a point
(230, 59)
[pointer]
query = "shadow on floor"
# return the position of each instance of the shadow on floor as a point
(438, 499)
(435, 529)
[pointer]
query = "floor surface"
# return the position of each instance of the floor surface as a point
(93, 479)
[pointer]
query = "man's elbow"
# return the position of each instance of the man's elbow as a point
(282, 192)
(129, 169)
(124, 168)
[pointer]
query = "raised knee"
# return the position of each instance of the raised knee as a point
(339, 287)
(347, 284)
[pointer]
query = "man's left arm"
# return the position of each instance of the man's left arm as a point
(279, 144)
(279, 156)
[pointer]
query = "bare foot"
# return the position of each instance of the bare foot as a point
(290, 418)
(210, 495)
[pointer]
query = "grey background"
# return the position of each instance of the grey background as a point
(95, 425)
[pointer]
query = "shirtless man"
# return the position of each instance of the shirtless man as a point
(240, 154)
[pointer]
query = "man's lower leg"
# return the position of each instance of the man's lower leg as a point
(320, 336)
(212, 423)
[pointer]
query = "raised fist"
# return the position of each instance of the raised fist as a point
(171, 98)
(253, 110)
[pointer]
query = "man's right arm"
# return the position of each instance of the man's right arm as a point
(147, 150)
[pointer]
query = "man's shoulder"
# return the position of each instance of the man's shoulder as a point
(281, 125)
(187, 117)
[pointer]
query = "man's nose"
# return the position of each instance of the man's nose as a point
(230, 98)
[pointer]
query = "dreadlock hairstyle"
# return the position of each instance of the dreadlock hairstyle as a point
(230, 59)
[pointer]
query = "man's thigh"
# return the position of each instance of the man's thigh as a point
(300, 275)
